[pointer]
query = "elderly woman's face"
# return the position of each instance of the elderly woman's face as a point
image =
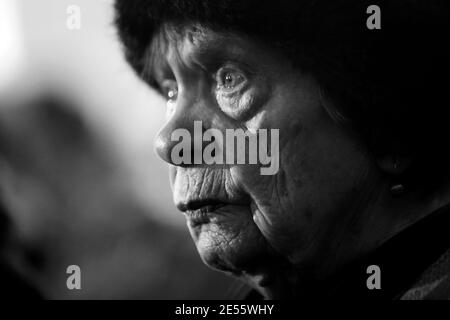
(242, 222)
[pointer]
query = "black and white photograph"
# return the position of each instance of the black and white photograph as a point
(220, 156)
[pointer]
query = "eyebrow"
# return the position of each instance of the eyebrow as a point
(218, 51)
(208, 54)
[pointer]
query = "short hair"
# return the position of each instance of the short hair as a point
(389, 85)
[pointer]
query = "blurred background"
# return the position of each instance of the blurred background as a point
(80, 182)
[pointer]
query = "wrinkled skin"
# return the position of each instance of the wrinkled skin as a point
(315, 214)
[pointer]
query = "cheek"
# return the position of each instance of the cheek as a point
(323, 168)
(320, 165)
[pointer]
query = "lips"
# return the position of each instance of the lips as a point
(199, 211)
(198, 204)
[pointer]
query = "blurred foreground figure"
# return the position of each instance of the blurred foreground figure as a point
(14, 286)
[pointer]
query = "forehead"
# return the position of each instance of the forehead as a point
(190, 41)
(190, 38)
(175, 42)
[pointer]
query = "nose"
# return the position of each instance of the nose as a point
(186, 125)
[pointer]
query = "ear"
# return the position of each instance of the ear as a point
(394, 164)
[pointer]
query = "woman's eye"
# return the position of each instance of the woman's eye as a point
(229, 79)
(170, 89)
(172, 94)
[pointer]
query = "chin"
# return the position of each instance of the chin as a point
(229, 241)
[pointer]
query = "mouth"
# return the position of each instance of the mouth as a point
(199, 211)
